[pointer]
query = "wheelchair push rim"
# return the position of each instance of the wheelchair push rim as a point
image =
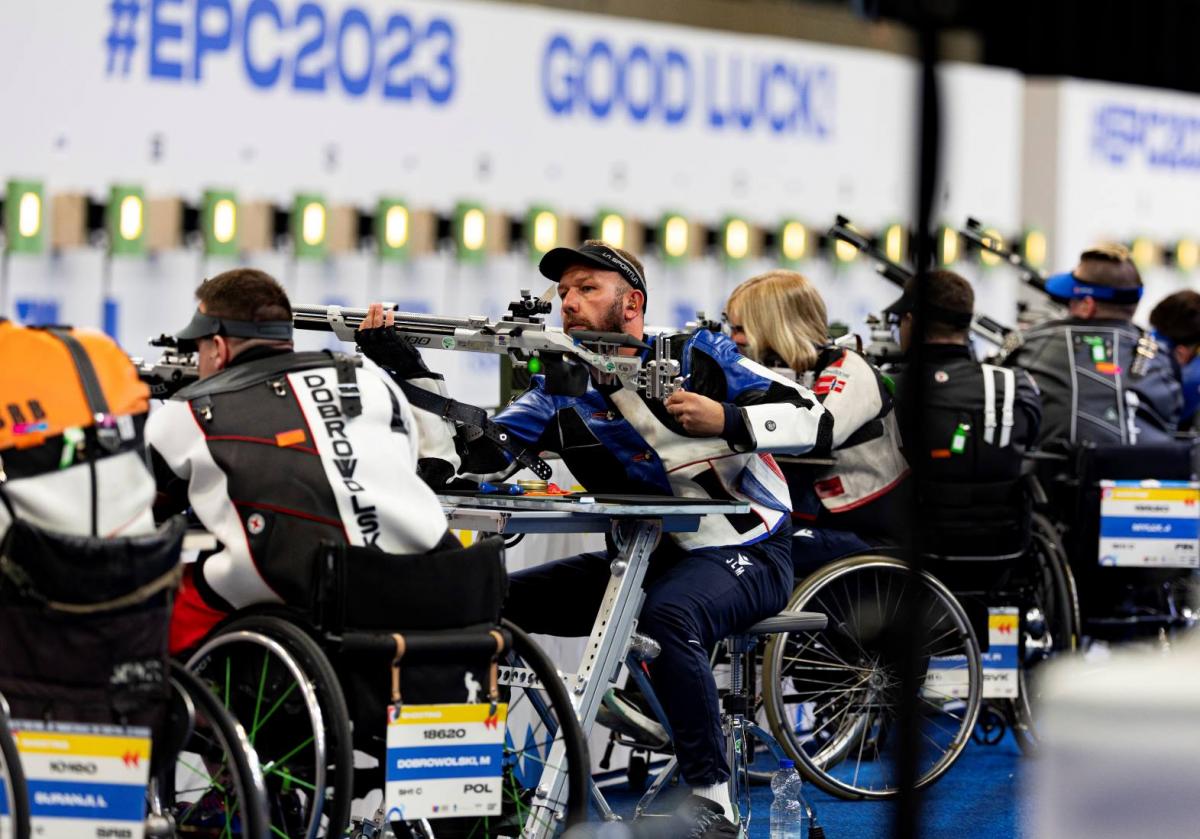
(211, 785)
(275, 699)
(542, 731)
(833, 697)
(14, 807)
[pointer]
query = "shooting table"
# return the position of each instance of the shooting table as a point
(636, 523)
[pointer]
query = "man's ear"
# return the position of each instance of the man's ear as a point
(634, 303)
(223, 351)
(1183, 355)
(1082, 307)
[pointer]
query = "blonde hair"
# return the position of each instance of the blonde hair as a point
(781, 312)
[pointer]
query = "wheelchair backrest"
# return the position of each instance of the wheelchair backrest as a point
(974, 521)
(83, 623)
(363, 588)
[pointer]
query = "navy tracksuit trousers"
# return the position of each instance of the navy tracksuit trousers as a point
(693, 600)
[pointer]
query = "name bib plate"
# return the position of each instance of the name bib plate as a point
(444, 761)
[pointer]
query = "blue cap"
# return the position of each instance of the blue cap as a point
(787, 764)
(1067, 286)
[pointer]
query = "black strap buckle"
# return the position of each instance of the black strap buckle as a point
(347, 385)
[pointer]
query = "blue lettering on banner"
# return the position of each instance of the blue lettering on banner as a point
(37, 311)
(1122, 133)
(64, 799)
(1123, 527)
(112, 311)
(316, 50)
(602, 80)
(431, 763)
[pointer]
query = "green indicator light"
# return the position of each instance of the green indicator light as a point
(535, 365)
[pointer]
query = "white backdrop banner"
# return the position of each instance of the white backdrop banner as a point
(1110, 163)
(506, 104)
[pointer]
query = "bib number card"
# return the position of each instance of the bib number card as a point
(444, 761)
(1150, 524)
(1000, 660)
(84, 780)
(948, 676)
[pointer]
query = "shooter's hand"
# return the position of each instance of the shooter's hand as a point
(381, 342)
(699, 415)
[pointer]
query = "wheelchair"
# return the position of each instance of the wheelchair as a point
(1117, 602)
(832, 699)
(312, 685)
(102, 605)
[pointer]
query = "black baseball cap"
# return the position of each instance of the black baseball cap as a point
(556, 262)
(907, 302)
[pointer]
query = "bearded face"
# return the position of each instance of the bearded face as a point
(605, 320)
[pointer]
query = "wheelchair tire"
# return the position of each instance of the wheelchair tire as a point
(207, 735)
(290, 768)
(1055, 597)
(14, 800)
(539, 719)
(578, 763)
(848, 675)
(1069, 622)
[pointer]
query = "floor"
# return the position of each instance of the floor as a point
(976, 798)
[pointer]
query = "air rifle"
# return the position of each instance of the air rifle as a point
(974, 233)
(567, 359)
(172, 372)
(985, 327)
(1033, 277)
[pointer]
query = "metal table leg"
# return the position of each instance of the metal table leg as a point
(606, 649)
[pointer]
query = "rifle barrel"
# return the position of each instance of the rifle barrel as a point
(316, 318)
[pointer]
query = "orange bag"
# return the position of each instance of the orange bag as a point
(44, 391)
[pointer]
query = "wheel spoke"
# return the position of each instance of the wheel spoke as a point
(275, 707)
(262, 682)
(272, 767)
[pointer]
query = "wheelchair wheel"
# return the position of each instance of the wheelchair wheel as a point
(1056, 584)
(207, 782)
(1050, 624)
(278, 683)
(14, 803)
(833, 697)
(542, 731)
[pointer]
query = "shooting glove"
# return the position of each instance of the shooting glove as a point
(388, 348)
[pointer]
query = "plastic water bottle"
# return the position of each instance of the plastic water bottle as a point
(787, 814)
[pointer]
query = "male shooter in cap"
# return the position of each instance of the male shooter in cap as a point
(277, 451)
(1102, 379)
(977, 420)
(708, 441)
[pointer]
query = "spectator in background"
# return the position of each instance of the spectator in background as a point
(1176, 324)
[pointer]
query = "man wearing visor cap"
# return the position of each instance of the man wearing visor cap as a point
(710, 439)
(277, 451)
(1103, 380)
